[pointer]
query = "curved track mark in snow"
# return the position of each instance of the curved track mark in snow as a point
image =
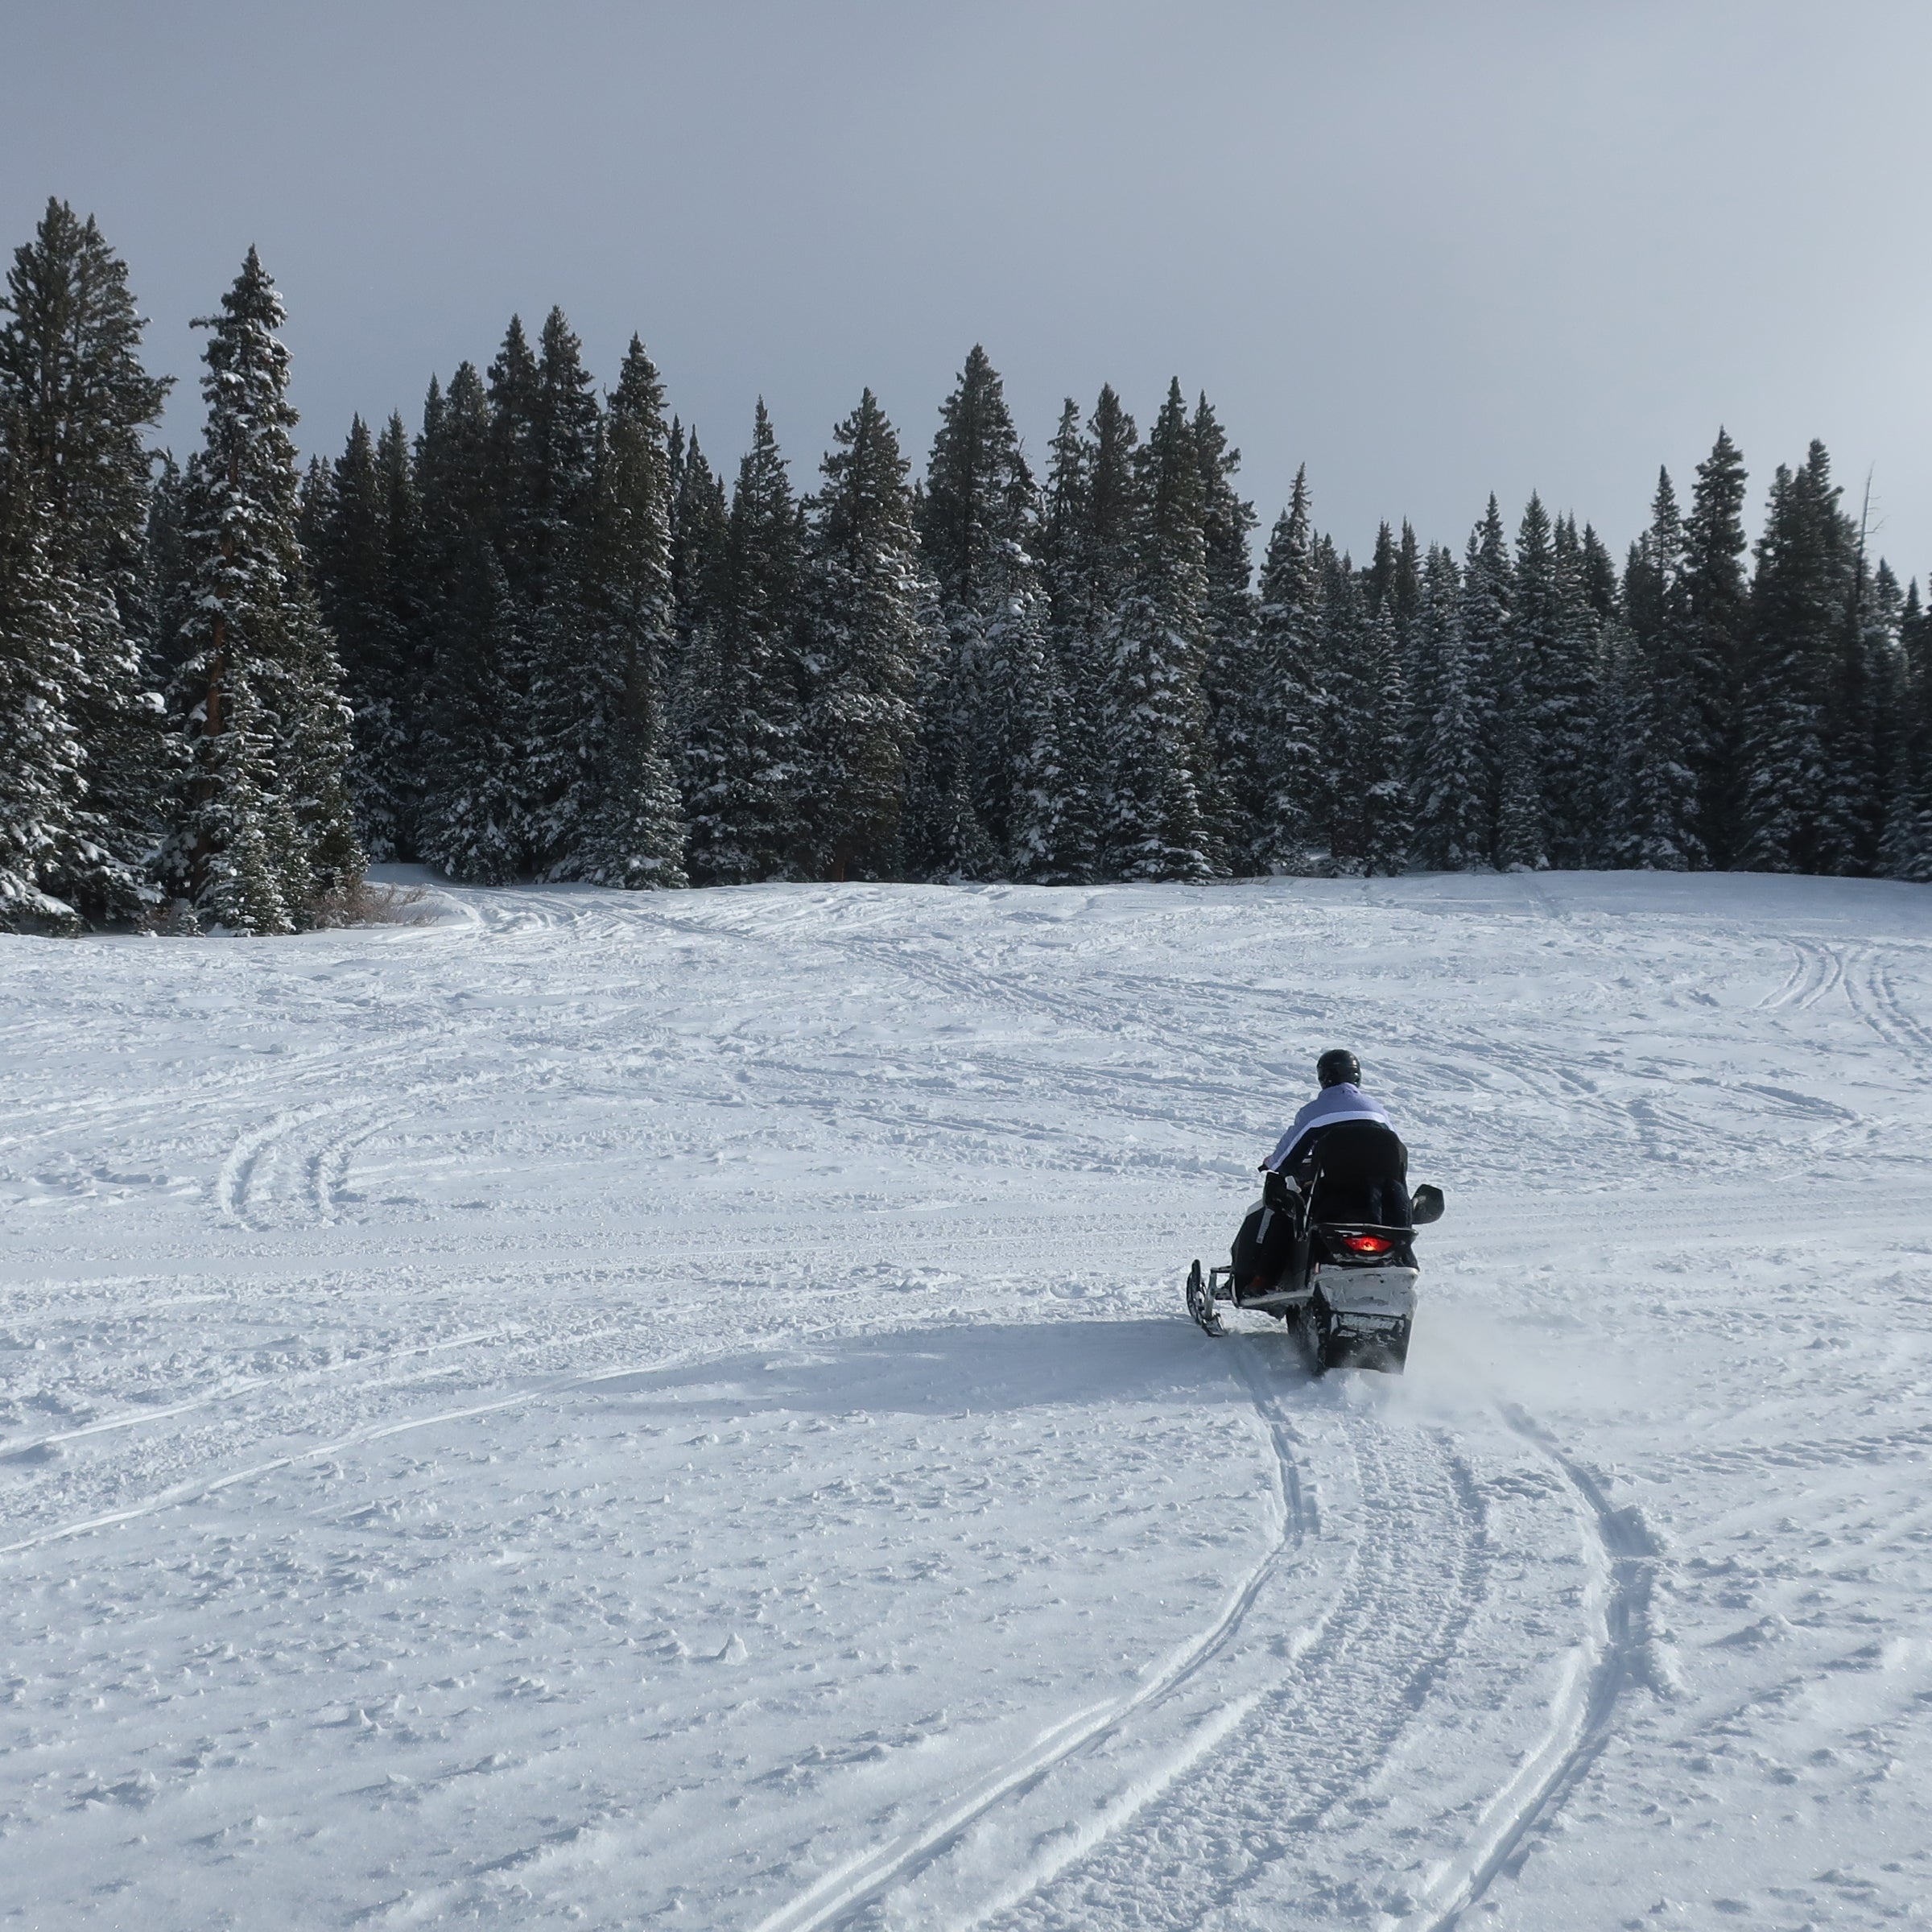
(1311, 1742)
(196, 1490)
(1582, 1723)
(133, 1418)
(848, 1889)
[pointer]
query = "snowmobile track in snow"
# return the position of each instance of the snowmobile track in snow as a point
(1584, 1723)
(852, 1889)
(1311, 1740)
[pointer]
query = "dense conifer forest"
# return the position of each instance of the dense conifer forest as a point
(545, 637)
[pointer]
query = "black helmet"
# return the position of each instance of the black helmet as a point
(1336, 1065)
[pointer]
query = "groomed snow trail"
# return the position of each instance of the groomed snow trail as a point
(676, 1411)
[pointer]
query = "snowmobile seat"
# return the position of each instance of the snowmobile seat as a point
(1361, 1175)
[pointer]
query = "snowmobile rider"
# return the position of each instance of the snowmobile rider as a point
(1341, 1160)
(1345, 1135)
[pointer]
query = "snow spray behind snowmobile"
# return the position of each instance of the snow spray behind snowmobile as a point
(1334, 1258)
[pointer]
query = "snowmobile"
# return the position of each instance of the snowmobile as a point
(1332, 1259)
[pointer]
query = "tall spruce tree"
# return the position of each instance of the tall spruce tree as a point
(1656, 824)
(356, 582)
(1065, 543)
(1157, 824)
(1800, 593)
(1289, 697)
(547, 516)
(1486, 622)
(1526, 693)
(621, 821)
(1906, 848)
(744, 753)
(1234, 801)
(469, 818)
(993, 714)
(865, 605)
(1568, 756)
(1375, 791)
(265, 835)
(1451, 829)
(75, 403)
(42, 760)
(1717, 617)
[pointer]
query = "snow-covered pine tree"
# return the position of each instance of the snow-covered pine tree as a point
(619, 801)
(467, 819)
(1234, 802)
(1570, 758)
(1659, 815)
(1382, 825)
(1450, 789)
(743, 751)
(546, 514)
(264, 835)
(1858, 723)
(1717, 613)
(41, 758)
(1905, 851)
(1526, 695)
(472, 817)
(866, 645)
(1065, 534)
(1800, 592)
(700, 521)
(409, 611)
(1156, 825)
(995, 711)
(1288, 696)
(356, 582)
(78, 402)
(1485, 620)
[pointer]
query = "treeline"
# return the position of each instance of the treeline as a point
(542, 637)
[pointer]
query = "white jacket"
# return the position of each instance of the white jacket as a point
(1343, 1101)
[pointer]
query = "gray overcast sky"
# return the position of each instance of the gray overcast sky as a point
(1431, 250)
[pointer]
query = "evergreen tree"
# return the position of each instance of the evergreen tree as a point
(265, 833)
(865, 601)
(1234, 802)
(1379, 819)
(1570, 757)
(1486, 622)
(76, 403)
(472, 821)
(743, 755)
(469, 817)
(621, 821)
(1799, 595)
(1659, 822)
(356, 582)
(546, 514)
(1717, 617)
(41, 758)
(993, 712)
(1857, 723)
(1156, 826)
(1065, 543)
(410, 616)
(1450, 788)
(1288, 696)
(1527, 693)
(1906, 848)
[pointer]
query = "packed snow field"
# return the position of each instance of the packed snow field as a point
(676, 1411)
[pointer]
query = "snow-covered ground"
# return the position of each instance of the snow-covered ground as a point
(676, 1411)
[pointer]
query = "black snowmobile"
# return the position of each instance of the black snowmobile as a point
(1329, 1250)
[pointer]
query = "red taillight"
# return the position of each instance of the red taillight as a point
(1366, 1244)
